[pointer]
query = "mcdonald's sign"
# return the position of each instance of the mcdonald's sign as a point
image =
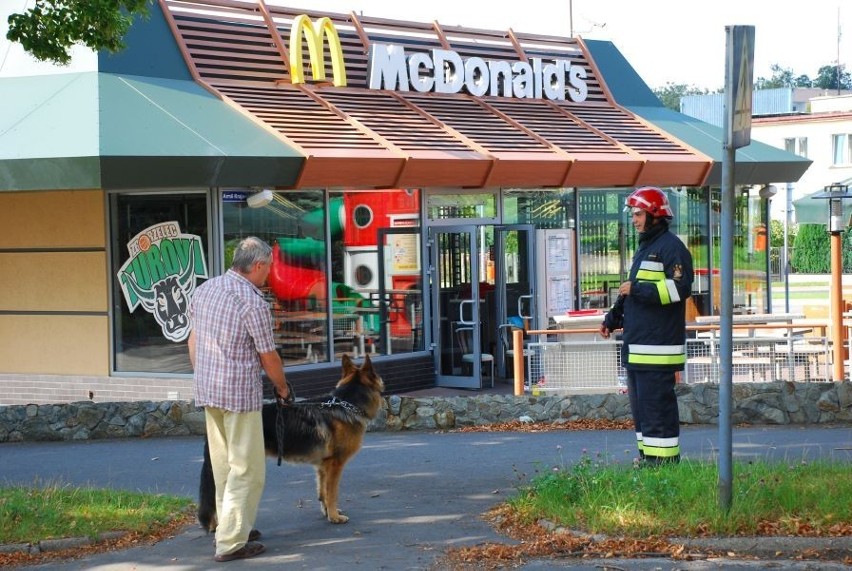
(316, 36)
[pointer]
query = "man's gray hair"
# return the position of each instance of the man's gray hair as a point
(250, 251)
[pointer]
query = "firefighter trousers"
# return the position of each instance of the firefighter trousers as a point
(653, 404)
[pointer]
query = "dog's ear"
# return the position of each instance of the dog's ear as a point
(367, 367)
(346, 363)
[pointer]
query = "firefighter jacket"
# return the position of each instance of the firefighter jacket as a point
(653, 316)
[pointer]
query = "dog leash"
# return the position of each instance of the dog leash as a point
(279, 420)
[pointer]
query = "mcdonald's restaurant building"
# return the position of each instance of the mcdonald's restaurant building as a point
(422, 187)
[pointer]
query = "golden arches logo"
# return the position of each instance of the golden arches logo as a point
(316, 35)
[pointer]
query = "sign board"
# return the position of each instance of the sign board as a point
(160, 275)
(438, 71)
(739, 79)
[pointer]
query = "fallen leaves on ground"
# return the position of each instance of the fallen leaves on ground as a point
(534, 541)
(539, 426)
(126, 541)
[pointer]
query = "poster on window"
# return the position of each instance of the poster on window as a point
(161, 273)
(405, 254)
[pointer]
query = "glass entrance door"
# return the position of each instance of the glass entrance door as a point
(457, 302)
(515, 299)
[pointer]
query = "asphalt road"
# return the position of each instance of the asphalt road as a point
(410, 495)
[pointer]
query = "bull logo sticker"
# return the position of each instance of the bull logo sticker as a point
(160, 275)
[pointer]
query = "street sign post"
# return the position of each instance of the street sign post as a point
(739, 71)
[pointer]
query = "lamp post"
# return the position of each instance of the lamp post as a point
(835, 193)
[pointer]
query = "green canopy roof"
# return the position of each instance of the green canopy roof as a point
(757, 163)
(112, 131)
(810, 210)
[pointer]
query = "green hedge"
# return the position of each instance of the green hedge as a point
(812, 253)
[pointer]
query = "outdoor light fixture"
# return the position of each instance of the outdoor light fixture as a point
(260, 199)
(768, 191)
(835, 193)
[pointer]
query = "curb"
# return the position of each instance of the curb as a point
(785, 547)
(772, 547)
(54, 545)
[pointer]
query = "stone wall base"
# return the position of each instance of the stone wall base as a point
(753, 403)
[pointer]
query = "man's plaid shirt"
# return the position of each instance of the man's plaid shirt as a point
(232, 324)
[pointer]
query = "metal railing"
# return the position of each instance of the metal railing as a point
(576, 360)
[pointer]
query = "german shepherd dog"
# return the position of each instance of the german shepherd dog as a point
(325, 432)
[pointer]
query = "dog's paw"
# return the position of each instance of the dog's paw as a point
(340, 518)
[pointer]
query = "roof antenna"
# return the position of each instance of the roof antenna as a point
(571, 18)
(837, 69)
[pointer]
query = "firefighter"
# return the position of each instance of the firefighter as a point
(650, 309)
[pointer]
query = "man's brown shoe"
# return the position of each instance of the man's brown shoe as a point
(250, 549)
(254, 535)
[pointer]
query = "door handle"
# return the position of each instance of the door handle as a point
(462, 320)
(521, 299)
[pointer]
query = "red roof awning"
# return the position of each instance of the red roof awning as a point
(354, 136)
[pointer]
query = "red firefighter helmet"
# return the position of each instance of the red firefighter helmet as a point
(652, 200)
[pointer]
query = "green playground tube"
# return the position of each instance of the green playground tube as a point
(336, 217)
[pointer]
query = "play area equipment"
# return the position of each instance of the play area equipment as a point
(298, 285)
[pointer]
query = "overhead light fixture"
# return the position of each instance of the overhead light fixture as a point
(260, 199)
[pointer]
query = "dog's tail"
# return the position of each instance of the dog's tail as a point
(207, 494)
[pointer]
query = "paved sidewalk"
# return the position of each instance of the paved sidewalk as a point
(410, 495)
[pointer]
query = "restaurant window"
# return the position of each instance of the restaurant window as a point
(467, 205)
(604, 238)
(750, 241)
(377, 296)
(607, 241)
(693, 212)
(159, 256)
(544, 208)
(293, 223)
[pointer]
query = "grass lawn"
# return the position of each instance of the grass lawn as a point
(31, 514)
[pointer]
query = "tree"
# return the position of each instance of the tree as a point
(49, 29)
(833, 77)
(776, 234)
(671, 93)
(811, 255)
(804, 81)
(782, 77)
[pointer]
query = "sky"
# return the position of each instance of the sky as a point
(666, 41)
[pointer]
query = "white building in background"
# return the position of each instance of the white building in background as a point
(809, 122)
(823, 135)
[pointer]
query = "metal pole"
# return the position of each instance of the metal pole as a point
(726, 322)
(784, 257)
(739, 57)
(766, 250)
